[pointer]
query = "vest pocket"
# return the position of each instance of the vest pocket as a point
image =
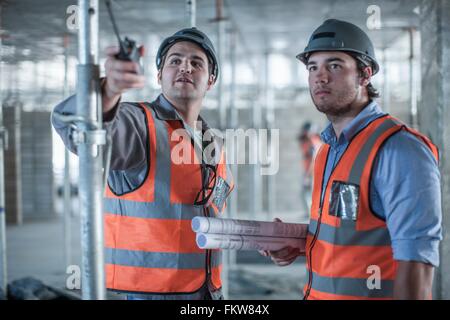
(344, 200)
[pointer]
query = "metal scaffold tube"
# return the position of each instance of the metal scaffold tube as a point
(222, 109)
(270, 119)
(191, 13)
(233, 124)
(221, 51)
(412, 81)
(89, 138)
(67, 210)
(3, 139)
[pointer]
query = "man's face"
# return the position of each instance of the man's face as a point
(185, 74)
(334, 82)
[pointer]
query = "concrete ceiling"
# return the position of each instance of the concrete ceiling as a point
(34, 29)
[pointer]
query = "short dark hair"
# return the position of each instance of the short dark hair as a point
(362, 62)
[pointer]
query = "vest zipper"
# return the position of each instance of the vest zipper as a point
(208, 254)
(313, 242)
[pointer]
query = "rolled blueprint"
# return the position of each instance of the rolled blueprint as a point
(249, 227)
(242, 242)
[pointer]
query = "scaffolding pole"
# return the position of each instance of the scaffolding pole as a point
(67, 209)
(270, 119)
(233, 123)
(256, 180)
(191, 13)
(386, 96)
(412, 81)
(222, 108)
(89, 138)
(3, 141)
(221, 50)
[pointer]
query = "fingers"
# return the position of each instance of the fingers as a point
(121, 75)
(126, 79)
(284, 256)
(283, 263)
(112, 50)
(264, 253)
(285, 253)
(113, 64)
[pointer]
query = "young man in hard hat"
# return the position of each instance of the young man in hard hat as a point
(152, 192)
(376, 207)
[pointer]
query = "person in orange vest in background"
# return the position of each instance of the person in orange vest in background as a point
(153, 190)
(310, 143)
(376, 210)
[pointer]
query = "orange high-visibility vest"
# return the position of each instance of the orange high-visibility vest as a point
(346, 243)
(150, 246)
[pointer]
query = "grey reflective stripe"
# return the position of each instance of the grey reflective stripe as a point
(151, 210)
(164, 260)
(352, 286)
(363, 155)
(346, 235)
(163, 161)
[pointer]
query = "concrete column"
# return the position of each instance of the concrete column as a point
(434, 113)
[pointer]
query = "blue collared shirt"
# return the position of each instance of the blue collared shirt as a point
(404, 191)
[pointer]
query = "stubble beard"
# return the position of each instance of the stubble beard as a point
(340, 104)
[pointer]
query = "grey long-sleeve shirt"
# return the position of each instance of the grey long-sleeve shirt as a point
(126, 126)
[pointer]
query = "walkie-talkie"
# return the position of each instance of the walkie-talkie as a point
(128, 49)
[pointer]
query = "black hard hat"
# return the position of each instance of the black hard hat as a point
(337, 35)
(193, 35)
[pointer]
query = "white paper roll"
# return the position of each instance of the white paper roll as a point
(243, 242)
(249, 227)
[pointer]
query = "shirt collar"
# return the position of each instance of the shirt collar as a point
(371, 112)
(166, 111)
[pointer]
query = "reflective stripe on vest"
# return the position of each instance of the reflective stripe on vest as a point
(352, 287)
(134, 258)
(150, 246)
(346, 235)
(342, 252)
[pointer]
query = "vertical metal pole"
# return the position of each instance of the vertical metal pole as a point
(270, 118)
(222, 123)
(256, 181)
(67, 210)
(3, 273)
(233, 123)
(412, 81)
(90, 155)
(386, 92)
(221, 50)
(191, 13)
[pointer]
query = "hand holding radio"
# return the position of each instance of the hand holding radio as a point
(122, 67)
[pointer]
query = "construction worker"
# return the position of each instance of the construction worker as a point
(153, 192)
(310, 143)
(376, 213)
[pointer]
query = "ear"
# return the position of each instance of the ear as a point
(366, 76)
(159, 75)
(211, 81)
